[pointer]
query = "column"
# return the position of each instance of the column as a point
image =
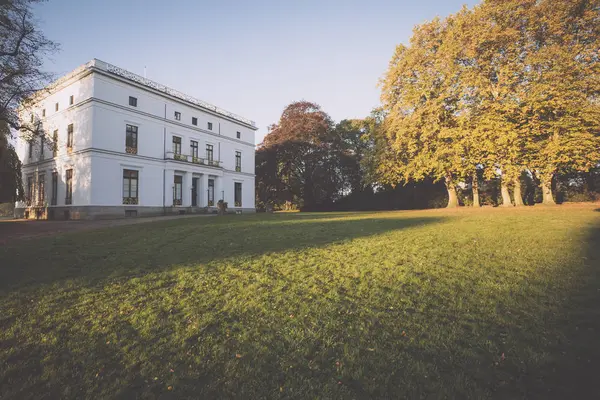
(186, 198)
(203, 200)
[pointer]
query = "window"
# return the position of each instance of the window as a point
(210, 126)
(69, 186)
(42, 147)
(29, 190)
(238, 161)
(44, 112)
(238, 194)
(194, 149)
(209, 152)
(177, 115)
(54, 188)
(176, 145)
(40, 189)
(211, 192)
(71, 100)
(131, 136)
(56, 107)
(55, 143)
(30, 149)
(238, 135)
(130, 186)
(194, 121)
(32, 118)
(133, 101)
(177, 190)
(70, 137)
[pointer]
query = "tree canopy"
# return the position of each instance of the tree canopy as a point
(506, 87)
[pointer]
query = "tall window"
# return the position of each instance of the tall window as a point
(177, 115)
(131, 139)
(210, 126)
(176, 145)
(70, 137)
(41, 147)
(44, 112)
(238, 161)
(132, 101)
(194, 149)
(209, 152)
(238, 135)
(177, 190)
(41, 190)
(69, 186)
(194, 121)
(238, 194)
(56, 107)
(30, 149)
(54, 188)
(29, 190)
(71, 100)
(130, 186)
(211, 192)
(55, 143)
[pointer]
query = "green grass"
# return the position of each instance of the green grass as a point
(430, 304)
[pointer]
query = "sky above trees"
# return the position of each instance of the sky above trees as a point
(251, 58)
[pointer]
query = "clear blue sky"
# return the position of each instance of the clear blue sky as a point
(249, 57)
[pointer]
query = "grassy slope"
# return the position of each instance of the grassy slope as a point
(474, 303)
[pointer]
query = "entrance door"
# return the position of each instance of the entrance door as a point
(195, 192)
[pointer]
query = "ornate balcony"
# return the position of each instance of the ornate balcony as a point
(169, 155)
(130, 150)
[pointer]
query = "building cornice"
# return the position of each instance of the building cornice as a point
(113, 71)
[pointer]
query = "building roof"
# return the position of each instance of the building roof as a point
(123, 73)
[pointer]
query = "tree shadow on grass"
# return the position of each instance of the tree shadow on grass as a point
(135, 250)
(571, 370)
(312, 334)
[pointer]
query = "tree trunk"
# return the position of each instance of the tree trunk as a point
(475, 187)
(505, 194)
(452, 197)
(546, 183)
(517, 193)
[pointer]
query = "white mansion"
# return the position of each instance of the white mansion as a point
(117, 144)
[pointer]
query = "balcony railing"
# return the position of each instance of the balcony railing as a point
(130, 200)
(191, 159)
(130, 150)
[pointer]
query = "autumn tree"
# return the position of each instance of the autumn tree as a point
(563, 96)
(426, 116)
(506, 87)
(303, 152)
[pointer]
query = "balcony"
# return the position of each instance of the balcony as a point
(169, 155)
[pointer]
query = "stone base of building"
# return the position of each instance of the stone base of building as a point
(113, 212)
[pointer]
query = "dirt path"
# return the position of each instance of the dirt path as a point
(18, 229)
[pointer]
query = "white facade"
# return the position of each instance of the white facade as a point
(145, 172)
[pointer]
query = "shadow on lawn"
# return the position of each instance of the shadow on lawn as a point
(132, 251)
(351, 347)
(573, 369)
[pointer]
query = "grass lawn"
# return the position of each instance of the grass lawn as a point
(487, 303)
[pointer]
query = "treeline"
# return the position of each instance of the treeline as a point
(333, 167)
(498, 104)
